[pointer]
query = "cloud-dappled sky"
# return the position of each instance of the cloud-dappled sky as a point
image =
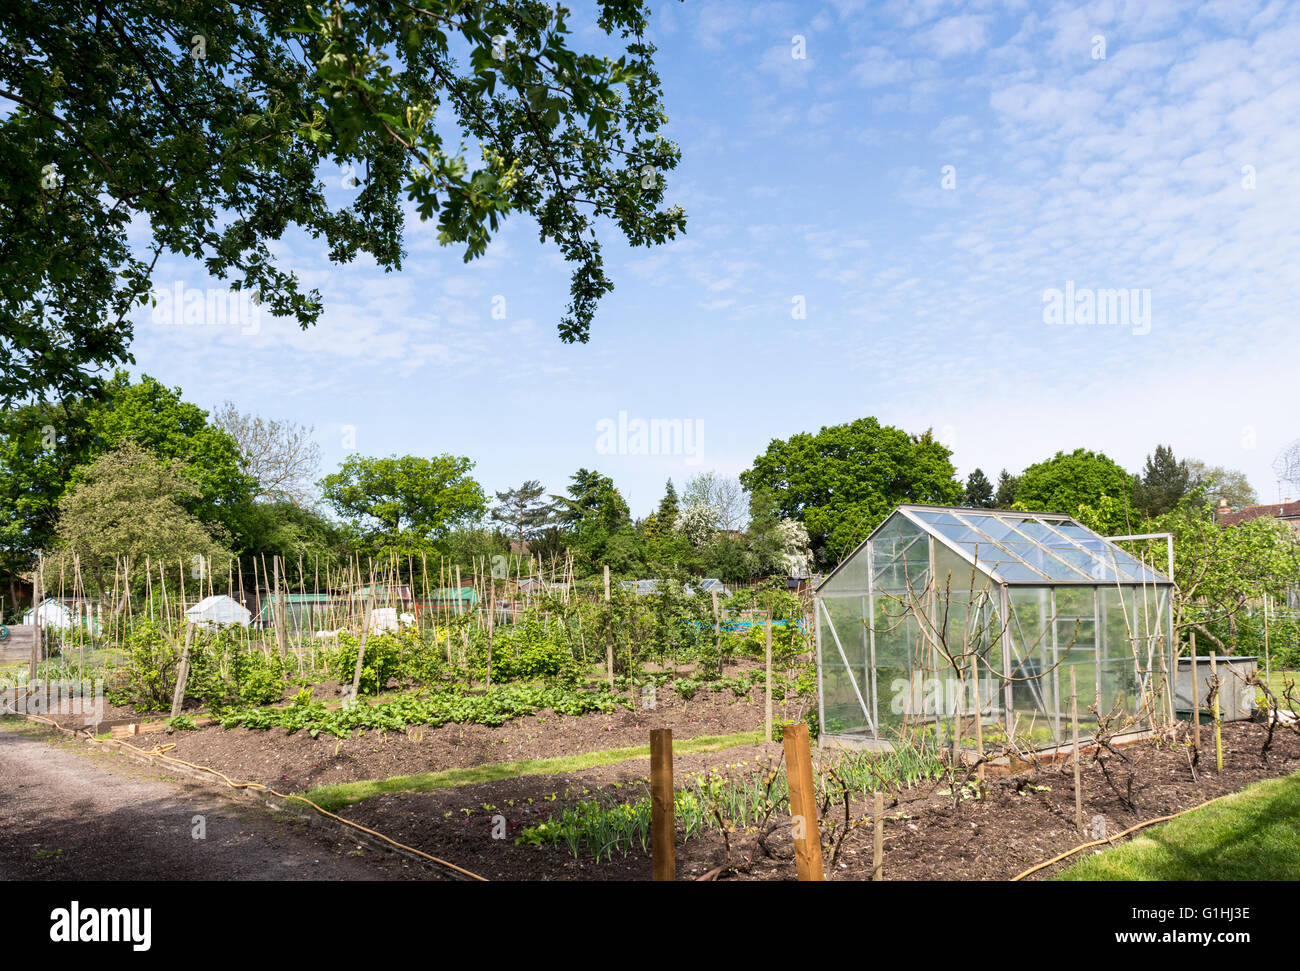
(918, 181)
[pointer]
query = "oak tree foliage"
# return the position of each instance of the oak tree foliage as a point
(211, 127)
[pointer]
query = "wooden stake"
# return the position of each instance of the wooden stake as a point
(1218, 719)
(365, 629)
(1268, 668)
(717, 629)
(182, 673)
(460, 609)
(663, 834)
(281, 636)
(609, 639)
(803, 802)
(767, 700)
(1074, 724)
(162, 580)
(38, 594)
(878, 841)
(1196, 697)
(492, 610)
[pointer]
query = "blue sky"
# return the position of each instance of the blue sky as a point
(919, 181)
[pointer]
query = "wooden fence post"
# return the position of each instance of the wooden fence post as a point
(803, 802)
(878, 840)
(1074, 721)
(663, 834)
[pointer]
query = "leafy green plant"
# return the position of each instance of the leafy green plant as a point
(686, 687)
(146, 678)
(495, 706)
(381, 663)
(529, 649)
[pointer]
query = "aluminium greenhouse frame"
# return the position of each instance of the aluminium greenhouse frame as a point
(967, 623)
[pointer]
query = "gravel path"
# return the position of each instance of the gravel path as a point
(71, 815)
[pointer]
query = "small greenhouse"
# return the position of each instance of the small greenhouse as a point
(218, 610)
(967, 623)
(65, 614)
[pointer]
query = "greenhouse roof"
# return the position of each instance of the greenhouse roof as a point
(1024, 548)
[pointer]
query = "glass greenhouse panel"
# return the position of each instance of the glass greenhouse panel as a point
(901, 664)
(845, 662)
(1119, 662)
(1032, 669)
(899, 556)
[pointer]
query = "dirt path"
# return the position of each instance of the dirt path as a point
(69, 815)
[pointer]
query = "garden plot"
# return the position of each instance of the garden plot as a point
(298, 761)
(933, 830)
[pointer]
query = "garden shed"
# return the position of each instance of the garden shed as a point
(965, 624)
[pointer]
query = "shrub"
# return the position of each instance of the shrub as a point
(528, 650)
(224, 670)
(147, 678)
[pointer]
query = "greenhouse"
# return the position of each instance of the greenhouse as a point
(967, 623)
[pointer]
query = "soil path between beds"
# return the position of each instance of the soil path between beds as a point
(70, 815)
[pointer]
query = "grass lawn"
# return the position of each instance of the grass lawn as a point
(1277, 681)
(1251, 835)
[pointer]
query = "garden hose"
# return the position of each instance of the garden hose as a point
(4, 632)
(1111, 839)
(160, 752)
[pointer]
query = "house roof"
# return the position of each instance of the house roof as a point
(1278, 510)
(1021, 548)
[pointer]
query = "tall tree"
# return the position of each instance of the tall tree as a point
(1214, 482)
(1163, 483)
(129, 503)
(407, 502)
(1073, 481)
(599, 523)
(724, 494)
(979, 490)
(1221, 570)
(666, 517)
(41, 446)
(842, 481)
(44, 447)
(1008, 484)
(521, 510)
(593, 499)
(280, 455)
(157, 418)
(210, 128)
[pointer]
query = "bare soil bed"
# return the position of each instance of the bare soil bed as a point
(298, 762)
(1021, 820)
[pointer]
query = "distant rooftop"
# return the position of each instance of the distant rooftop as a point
(1278, 510)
